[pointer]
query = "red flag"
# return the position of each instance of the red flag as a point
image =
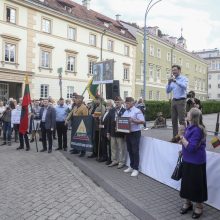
(24, 112)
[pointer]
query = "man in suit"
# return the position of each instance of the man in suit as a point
(105, 143)
(48, 124)
(79, 110)
(118, 151)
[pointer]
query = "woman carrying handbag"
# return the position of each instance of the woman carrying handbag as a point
(194, 182)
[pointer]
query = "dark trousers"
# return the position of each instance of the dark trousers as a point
(22, 138)
(133, 141)
(96, 143)
(178, 113)
(7, 131)
(16, 130)
(104, 147)
(46, 135)
(62, 134)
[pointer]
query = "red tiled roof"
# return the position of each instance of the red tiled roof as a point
(89, 16)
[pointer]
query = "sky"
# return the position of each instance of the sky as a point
(200, 19)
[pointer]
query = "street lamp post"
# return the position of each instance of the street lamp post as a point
(60, 70)
(150, 5)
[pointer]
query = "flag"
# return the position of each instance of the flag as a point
(24, 111)
(92, 89)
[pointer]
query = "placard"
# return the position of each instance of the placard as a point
(123, 125)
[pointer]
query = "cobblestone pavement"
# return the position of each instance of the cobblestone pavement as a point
(48, 186)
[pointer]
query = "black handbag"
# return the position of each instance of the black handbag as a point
(177, 173)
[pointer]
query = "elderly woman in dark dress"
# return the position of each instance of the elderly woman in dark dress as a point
(194, 183)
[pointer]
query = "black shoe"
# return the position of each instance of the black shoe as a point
(92, 156)
(32, 140)
(43, 150)
(183, 211)
(108, 162)
(74, 152)
(40, 139)
(4, 143)
(27, 149)
(49, 151)
(64, 149)
(54, 138)
(82, 155)
(58, 148)
(19, 148)
(101, 160)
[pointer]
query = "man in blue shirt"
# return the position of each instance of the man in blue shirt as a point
(62, 111)
(133, 138)
(178, 85)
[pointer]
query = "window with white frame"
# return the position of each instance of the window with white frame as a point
(91, 63)
(92, 39)
(110, 45)
(71, 63)
(142, 47)
(142, 93)
(150, 95)
(46, 25)
(174, 59)
(126, 50)
(151, 73)
(151, 50)
(187, 65)
(10, 52)
(125, 94)
(10, 15)
(213, 64)
(45, 59)
(196, 68)
(126, 73)
(71, 33)
(168, 74)
(44, 91)
(180, 61)
(142, 71)
(158, 95)
(158, 52)
(70, 91)
(168, 56)
(210, 76)
(158, 75)
(218, 76)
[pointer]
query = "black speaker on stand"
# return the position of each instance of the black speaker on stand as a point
(112, 90)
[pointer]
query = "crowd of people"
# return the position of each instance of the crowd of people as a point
(48, 118)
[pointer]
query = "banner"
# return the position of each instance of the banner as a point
(103, 72)
(82, 133)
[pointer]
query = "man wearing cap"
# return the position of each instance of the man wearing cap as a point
(160, 122)
(133, 138)
(117, 139)
(79, 109)
(62, 111)
(97, 109)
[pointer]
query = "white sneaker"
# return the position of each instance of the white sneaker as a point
(135, 173)
(128, 170)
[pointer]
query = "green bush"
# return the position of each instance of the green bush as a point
(153, 107)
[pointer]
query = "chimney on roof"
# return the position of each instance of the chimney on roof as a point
(118, 17)
(86, 3)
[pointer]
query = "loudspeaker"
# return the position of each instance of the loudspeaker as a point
(112, 90)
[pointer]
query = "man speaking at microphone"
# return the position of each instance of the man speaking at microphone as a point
(178, 85)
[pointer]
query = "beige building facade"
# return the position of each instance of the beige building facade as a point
(39, 36)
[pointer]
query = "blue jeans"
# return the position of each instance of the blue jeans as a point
(7, 131)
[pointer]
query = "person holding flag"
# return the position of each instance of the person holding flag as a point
(24, 117)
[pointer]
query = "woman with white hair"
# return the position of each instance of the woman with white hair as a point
(194, 182)
(104, 155)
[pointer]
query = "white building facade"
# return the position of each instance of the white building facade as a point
(213, 58)
(39, 36)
